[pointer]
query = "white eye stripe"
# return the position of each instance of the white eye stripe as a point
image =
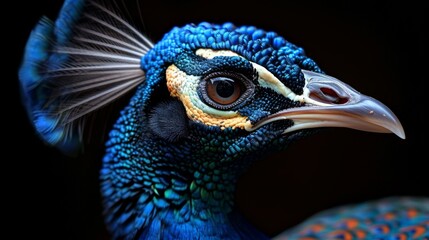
(268, 80)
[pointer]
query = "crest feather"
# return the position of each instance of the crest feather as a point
(88, 58)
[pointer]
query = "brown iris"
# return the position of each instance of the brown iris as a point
(223, 90)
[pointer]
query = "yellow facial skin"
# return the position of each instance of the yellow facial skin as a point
(184, 87)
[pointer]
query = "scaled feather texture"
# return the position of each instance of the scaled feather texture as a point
(208, 100)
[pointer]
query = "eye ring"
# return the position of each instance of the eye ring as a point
(225, 90)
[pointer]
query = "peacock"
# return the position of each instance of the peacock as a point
(207, 101)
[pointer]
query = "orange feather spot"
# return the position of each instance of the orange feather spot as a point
(418, 230)
(412, 213)
(315, 228)
(384, 229)
(351, 223)
(401, 236)
(389, 216)
(360, 234)
(345, 235)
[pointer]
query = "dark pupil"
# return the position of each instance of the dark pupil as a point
(225, 89)
(222, 91)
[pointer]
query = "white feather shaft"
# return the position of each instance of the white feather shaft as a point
(95, 96)
(98, 54)
(103, 100)
(121, 42)
(119, 19)
(109, 46)
(102, 81)
(82, 81)
(102, 66)
(117, 30)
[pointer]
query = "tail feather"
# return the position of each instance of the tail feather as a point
(86, 59)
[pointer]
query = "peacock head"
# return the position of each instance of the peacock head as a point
(238, 92)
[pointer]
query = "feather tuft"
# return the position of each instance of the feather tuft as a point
(84, 61)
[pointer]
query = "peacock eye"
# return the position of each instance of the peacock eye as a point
(225, 90)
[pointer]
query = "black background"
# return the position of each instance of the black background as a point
(378, 48)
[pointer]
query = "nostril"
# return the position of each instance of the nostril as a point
(334, 95)
(328, 95)
(329, 92)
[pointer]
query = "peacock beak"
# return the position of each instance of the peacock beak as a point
(328, 102)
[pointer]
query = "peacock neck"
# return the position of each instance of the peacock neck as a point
(161, 191)
(198, 207)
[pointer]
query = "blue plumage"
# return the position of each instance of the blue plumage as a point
(39, 60)
(209, 100)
